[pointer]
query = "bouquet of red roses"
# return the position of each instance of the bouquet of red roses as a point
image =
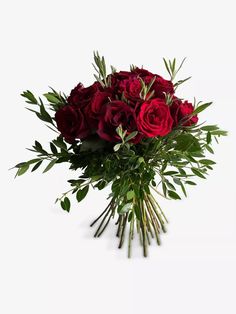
(131, 131)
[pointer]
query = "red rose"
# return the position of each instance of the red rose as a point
(154, 118)
(114, 114)
(129, 84)
(123, 75)
(142, 72)
(72, 123)
(181, 110)
(162, 87)
(93, 111)
(131, 88)
(81, 95)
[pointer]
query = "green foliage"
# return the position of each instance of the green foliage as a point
(173, 70)
(81, 193)
(200, 108)
(186, 142)
(65, 204)
(100, 68)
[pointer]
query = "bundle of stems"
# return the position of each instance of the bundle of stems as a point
(149, 223)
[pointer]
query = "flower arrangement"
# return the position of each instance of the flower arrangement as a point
(131, 131)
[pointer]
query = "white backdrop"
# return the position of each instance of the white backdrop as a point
(50, 263)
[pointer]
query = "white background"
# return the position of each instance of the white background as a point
(50, 263)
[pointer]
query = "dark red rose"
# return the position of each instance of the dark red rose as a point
(129, 84)
(123, 75)
(181, 110)
(72, 123)
(114, 114)
(154, 118)
(81, 95)
(162, 87)
(142, 72)
(118, 77)
(93, 111)
(131, 88)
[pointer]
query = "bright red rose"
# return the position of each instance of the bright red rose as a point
(71, 123)
(81, 95)
(154, 118)
(114, 114)
(181, 111)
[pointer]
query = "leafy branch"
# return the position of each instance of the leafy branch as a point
(173, 70)
(56, 100)
(59, 153)
(100, 68)
(125, 139)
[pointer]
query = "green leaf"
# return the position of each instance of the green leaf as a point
(167, 67)
(53, 148)
(210, 150)
(50, 165)
(170, 185)
(28, 95)
(30, 162)
(36, 165)
(173, 195)
(208, 137)
(207, 162)
(38, 146)
(60, 143)
(182, 172)
(19, 165)
(190, 182)
(141, 160)
(52, 98)
(119, 131)
(125, 208)
(197, 173)
(181, 82)
(201, 108)
(22, 170)
(65, 204)
(130, 195)
(164, 188)
(177, 181)
(170, 173)
(187, 142)
(102, 184)
(209, 128)
(117, 147)
(219, 133)
(131, 135)
(80, 195)
(183, 189)
(45, 116)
